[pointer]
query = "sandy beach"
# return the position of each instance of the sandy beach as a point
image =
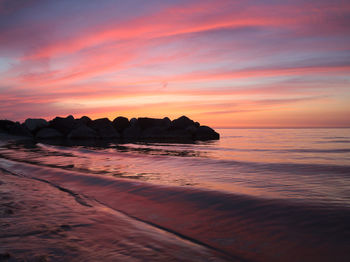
(41, 223)
(62, 203)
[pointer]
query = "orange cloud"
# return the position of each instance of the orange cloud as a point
(243, 63)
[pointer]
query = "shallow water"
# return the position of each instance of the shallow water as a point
(311, 165)
(256, 194)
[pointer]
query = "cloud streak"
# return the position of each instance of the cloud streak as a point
(234, 59)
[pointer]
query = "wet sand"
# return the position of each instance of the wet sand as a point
(39, 222)
(51, 213)
(42, 222)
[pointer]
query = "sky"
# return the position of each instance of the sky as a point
(261, 63)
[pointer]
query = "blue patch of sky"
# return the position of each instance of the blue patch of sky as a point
(290, 59)
(91, 12)
(5, 64)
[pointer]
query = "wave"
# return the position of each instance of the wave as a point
(335, 141)
(311, 182)
(297, 150)
(66, 157)
(241, 226)
(340, 150)
(313, 168)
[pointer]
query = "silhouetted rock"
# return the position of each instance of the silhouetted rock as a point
(82, 132)
(104, 128)
(6, 124)
(178, 134)
(133, 122)
(100, 123)
(63, 125)
(191, 129)
(48, 133)
(83, 120)
(14, 128)
(34, 124)
(132, 132)
(5, 256)
(167, 122)
(182, 128)
(154, 132)
(182, 122)
(145, 122)
(19, 130)
(205, 133)
(120, 123)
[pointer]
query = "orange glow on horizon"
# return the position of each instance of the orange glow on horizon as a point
(228, 64)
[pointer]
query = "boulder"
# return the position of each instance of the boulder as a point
(100, 123)
(205, 133)
(146, 122)
(47, 133)
(154, 132)
(34, 124)
(14, 128)
(63, 125)
(83, 120)
(120, 123)
(182, 122)
(182, 128)
(132, 132)
(19, 130)
(167, 122)
(177, 134)
(191, 129)
(6, 124)
(133, 121)
(82, 132)
(104, 128)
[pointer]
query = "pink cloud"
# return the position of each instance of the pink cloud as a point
(180, 50)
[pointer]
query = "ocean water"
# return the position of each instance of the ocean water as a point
(311, 165)
(255, 194)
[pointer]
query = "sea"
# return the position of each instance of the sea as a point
(254, 195)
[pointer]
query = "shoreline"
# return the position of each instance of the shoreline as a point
(231, 227)
(62, 212)
(42, 223)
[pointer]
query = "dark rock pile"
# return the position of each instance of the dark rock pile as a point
(142, 128)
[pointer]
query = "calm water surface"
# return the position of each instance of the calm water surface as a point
(308, 164)
(256, 194)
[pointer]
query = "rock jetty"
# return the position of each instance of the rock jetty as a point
(142, 128)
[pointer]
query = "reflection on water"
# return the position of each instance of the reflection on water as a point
(277, 195)
(307, 164)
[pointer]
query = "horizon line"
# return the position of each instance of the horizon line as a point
(280, 127)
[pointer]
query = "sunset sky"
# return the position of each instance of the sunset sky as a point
(223, 63)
